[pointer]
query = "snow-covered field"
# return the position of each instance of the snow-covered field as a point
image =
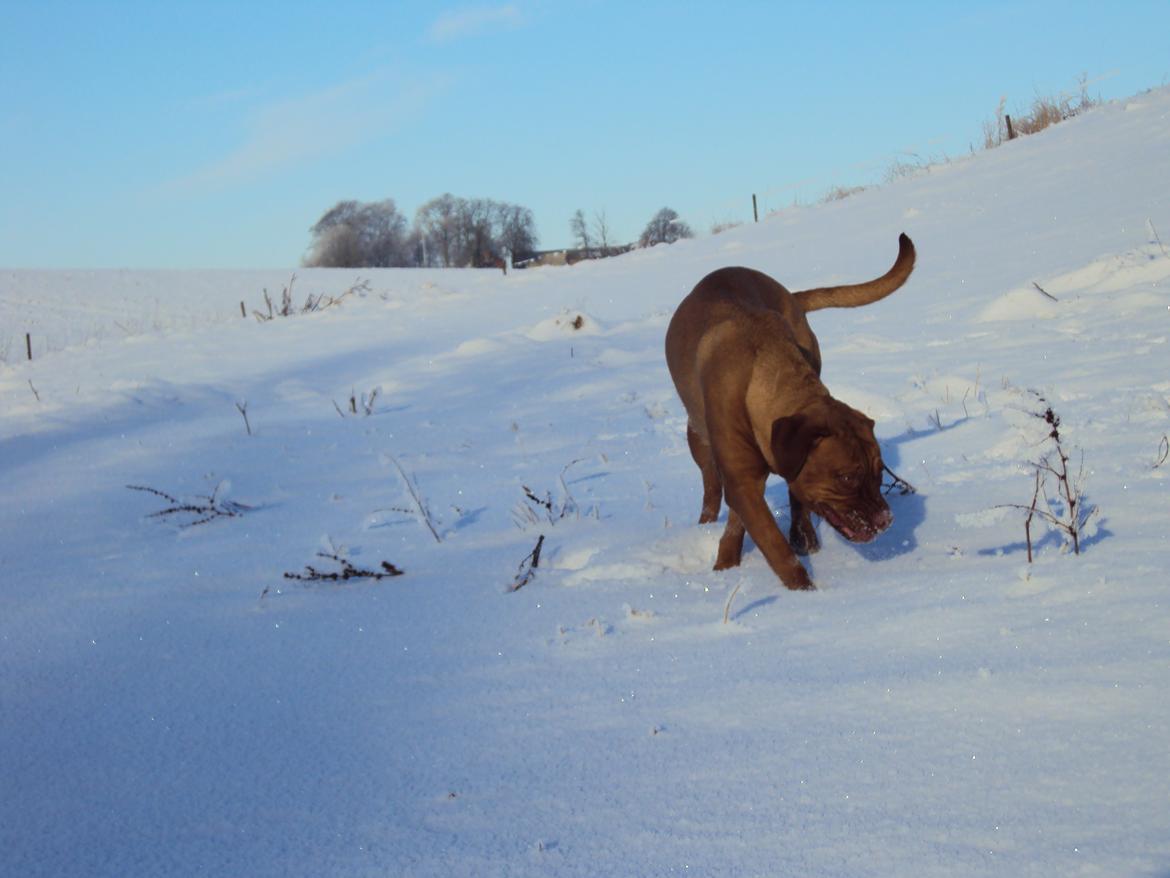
(171, 705)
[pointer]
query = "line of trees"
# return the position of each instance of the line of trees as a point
(448, 232)
(453, 232)
(476, 232)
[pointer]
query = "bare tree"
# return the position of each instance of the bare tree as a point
(516, 230)
(477, 243)
(580, 231)
(354, 234)
(335, 247)
(383, 234)
(436, 224)
(601, 232)
(664, 228)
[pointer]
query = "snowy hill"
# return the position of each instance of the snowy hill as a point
(170, 704)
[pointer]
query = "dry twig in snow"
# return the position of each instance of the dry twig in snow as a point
(203, 508)
(347, 572)
(424, 513)
(528, 566)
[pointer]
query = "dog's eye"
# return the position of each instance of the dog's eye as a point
(846, 478)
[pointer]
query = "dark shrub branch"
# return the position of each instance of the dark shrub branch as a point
(898, 484)
(311, 304)
(347, 572)
(201, 509)
(1066, 513)
(527, 571)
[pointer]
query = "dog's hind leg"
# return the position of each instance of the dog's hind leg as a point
(802, 536)
(731, 543)
(712, 483)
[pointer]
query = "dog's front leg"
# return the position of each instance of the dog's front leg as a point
(745, 497)
(802, 536)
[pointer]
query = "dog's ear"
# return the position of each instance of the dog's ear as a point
(793, 437)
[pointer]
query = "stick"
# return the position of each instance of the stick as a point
(532, 559)
(1031, 512)
(38, 396)
(1045, 292)
(243, 407)
(903, 486)
(569, 502)
(422, 509)
(731, 597)
(28, 345)
(1156, 238)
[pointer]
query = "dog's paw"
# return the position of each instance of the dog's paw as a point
(798, 580)
(726, 559)
(730, 548)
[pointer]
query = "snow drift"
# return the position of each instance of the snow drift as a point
(170, 704)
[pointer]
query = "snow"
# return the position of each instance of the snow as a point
(171, 705)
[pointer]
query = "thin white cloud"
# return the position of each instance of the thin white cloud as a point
(470, 21)
(296, 130)
(228, 98)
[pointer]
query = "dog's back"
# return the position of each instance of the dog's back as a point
(733, 309)
(757, 303)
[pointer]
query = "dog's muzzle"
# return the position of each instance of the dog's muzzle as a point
(856, 526)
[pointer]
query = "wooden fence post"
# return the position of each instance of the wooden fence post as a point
(1011, 131)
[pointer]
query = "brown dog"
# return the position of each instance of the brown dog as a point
(747, 367)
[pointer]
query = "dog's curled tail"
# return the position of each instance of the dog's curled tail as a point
(855, 295)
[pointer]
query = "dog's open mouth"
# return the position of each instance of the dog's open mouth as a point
(852, 526)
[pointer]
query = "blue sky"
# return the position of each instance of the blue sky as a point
(214, 134)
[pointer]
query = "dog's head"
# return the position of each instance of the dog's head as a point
(832, 463)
